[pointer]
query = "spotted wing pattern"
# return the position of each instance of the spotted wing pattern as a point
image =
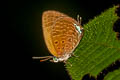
(48, 18)
(65, 36)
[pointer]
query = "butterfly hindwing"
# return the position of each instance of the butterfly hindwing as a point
(65, 37)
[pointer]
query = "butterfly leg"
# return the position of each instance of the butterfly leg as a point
(73, 55)
(68, 63)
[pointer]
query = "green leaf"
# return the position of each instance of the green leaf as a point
(113, 75)
(98, 48)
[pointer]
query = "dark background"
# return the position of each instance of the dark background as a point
(26, 38)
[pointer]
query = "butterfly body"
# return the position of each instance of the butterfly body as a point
(62, 34)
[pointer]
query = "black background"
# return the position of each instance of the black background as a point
(26, 38)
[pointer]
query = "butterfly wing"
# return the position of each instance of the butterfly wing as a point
(65, 36)
(48, 18)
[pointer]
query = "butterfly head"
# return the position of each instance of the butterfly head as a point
(61, 59)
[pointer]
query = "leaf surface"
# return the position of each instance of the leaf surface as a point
(98, 48)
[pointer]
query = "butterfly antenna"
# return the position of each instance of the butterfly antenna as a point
(43, 58)
(79, 19)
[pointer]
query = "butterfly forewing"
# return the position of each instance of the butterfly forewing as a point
(48, 18)
(65, 37)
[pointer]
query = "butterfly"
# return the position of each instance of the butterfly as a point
(62, 35)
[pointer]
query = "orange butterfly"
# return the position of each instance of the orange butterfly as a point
(62, 34)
